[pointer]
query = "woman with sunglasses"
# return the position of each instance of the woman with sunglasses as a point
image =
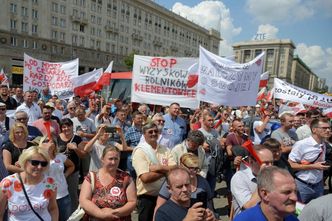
(31, 188)
(72, 146)
(114, 193)
(12, 149)
(199, 186)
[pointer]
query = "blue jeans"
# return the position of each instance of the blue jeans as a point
(64, 205)
(130, 167)
(306, 192)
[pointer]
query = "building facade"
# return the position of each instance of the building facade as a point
(95, 31)
(302, 76)
(278, 59)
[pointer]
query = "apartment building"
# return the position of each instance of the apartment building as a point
(95, 31)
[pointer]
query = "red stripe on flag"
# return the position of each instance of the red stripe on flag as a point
(85, 89)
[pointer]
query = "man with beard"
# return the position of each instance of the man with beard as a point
(277, 190)
(29, 107)
(178, 207)
(18, 96)
(10, 102)
(46, 119)
(151, 162)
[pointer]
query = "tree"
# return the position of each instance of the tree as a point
(129, 60)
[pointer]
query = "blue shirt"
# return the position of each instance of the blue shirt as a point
(133, 136)
(176, 129)
(256, 213)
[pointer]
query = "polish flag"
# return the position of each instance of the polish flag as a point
(264, 79)
(84, 84)
(3, 78)
(261, 94)
(269, 95)
(327, 112)
(192, 75)
(105, 78)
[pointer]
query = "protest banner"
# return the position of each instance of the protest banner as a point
(289, 92)
(164, 80)
(228, 83)
(38, 74)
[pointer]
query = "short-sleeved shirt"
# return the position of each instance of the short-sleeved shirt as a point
(39, 196)
(318, 209)
(202, 186)
(303, 132)
(308, 150)
(14, 151)
(256, 213)
(133, 136)
(71, 154)
(170, 211)
(55, 128)
(141, 163)
(286, 138)
(87, 126)
(243, 185)
(177, 128)
(56, 170)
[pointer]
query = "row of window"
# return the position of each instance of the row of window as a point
(24, 26)
(24, 11)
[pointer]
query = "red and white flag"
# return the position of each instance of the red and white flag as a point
(84, 84)
(327, 112)
(269, 95)
(264, 79)
(261, 94)
(105, 78)
(3, 78)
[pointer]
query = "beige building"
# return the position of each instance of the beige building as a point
(302, 76)
(95, 31)
(278, 59)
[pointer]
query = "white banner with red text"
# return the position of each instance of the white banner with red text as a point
(38, 74)
(289, 92)
(164, 80)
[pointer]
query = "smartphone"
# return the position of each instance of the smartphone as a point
(326, 164)
(111, 129)
(200, 197)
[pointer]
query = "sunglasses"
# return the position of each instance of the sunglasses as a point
(153, 131)
(38, 162)
(161, 121)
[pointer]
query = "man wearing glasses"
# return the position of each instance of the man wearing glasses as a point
(33, 132)
(308, 159)
(151, 162)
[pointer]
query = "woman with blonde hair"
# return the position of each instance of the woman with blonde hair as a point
(30, 195)
(11, 150)
(199, 185)
(114, 194)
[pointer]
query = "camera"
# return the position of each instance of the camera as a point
(200, 197)
(111, 130)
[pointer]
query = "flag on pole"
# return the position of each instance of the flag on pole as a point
(264, 79)
(105, 78)
(84, 84)
(3, 78)
(261, 94)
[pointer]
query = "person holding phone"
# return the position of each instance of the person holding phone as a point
(199, 187)
(178, 207)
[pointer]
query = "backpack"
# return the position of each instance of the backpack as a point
(218, 157)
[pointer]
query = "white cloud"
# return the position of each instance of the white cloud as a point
(269, 31)
(212, 14)
(282, 10)
(318, 59)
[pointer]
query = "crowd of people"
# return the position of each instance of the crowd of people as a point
(163, 162)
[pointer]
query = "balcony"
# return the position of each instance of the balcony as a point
(80, 20)
(109, 28)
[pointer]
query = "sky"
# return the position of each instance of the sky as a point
(308, 23)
